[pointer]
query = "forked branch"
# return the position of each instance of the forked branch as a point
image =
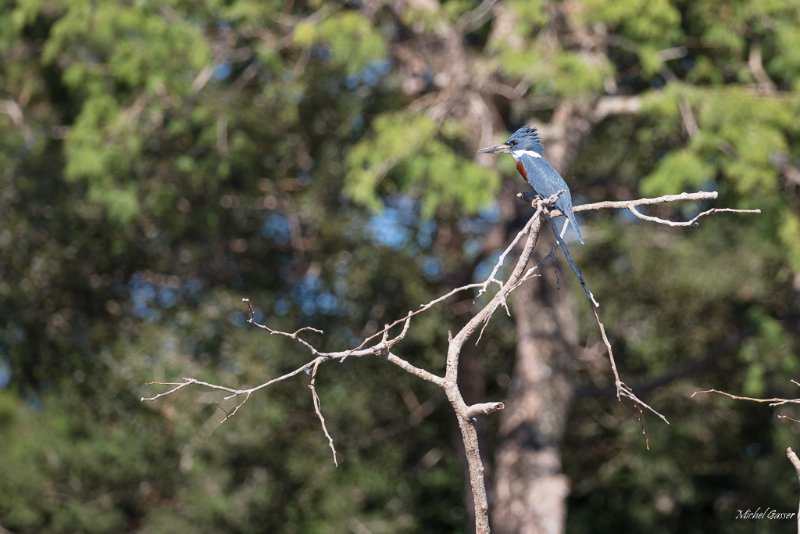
(382, 344)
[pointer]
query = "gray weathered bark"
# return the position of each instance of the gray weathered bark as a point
(530, 488)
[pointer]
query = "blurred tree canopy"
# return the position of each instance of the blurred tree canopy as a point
(161, 160)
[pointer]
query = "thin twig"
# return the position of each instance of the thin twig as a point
(178, 385)
(690, 222)
(772, 402)
(502, 258)
(318, 411)
(641, 424)
(236, 409)
(622, 389)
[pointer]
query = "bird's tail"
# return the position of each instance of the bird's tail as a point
(574, 267)
(574, 222)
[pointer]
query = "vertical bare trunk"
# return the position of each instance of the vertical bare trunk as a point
(530, 488)
(472, 383)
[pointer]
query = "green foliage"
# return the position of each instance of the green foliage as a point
(101, 148)
(562, 73)
(161, 160)
(111, 43)
(788, 232)
(572, 75)
(529, 15)
(768, 351)
(396, 138)
(107, 52)
(528, 51)
(656, 23)
(421, 158)
(740, 136)
(61, 475)
(786, 64)
(732, 28)
(678, 170)
(352, 40)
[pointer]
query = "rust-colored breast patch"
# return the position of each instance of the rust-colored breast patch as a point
(521, 169)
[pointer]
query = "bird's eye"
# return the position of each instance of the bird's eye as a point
(512, 143)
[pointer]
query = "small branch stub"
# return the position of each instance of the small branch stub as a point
(484, 408)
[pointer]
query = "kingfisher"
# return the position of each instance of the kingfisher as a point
(525, 146)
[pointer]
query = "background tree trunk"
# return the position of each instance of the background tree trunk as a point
(530, 489)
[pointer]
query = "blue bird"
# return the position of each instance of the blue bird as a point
(526, 148)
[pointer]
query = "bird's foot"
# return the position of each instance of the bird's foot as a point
(530, 198)
(536, 200)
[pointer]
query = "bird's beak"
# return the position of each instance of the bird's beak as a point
(503, 148)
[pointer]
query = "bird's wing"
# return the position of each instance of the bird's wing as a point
(545, 180)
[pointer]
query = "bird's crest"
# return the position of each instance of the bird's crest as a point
(527, 138)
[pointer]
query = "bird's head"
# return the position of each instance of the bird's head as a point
(526, 139)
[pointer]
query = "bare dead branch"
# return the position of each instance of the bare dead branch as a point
(178, 385)
(236, 409)
(485, 313)
(294, 335)
(502, 258)
(416, 371)
(631, 206)
(381, 343)
(690, 222)
(617, 204)
(318, 411)
(554, 212)
(622, 389)
(641, 424)
(484, 408)
(422, 308)
(772, 402)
